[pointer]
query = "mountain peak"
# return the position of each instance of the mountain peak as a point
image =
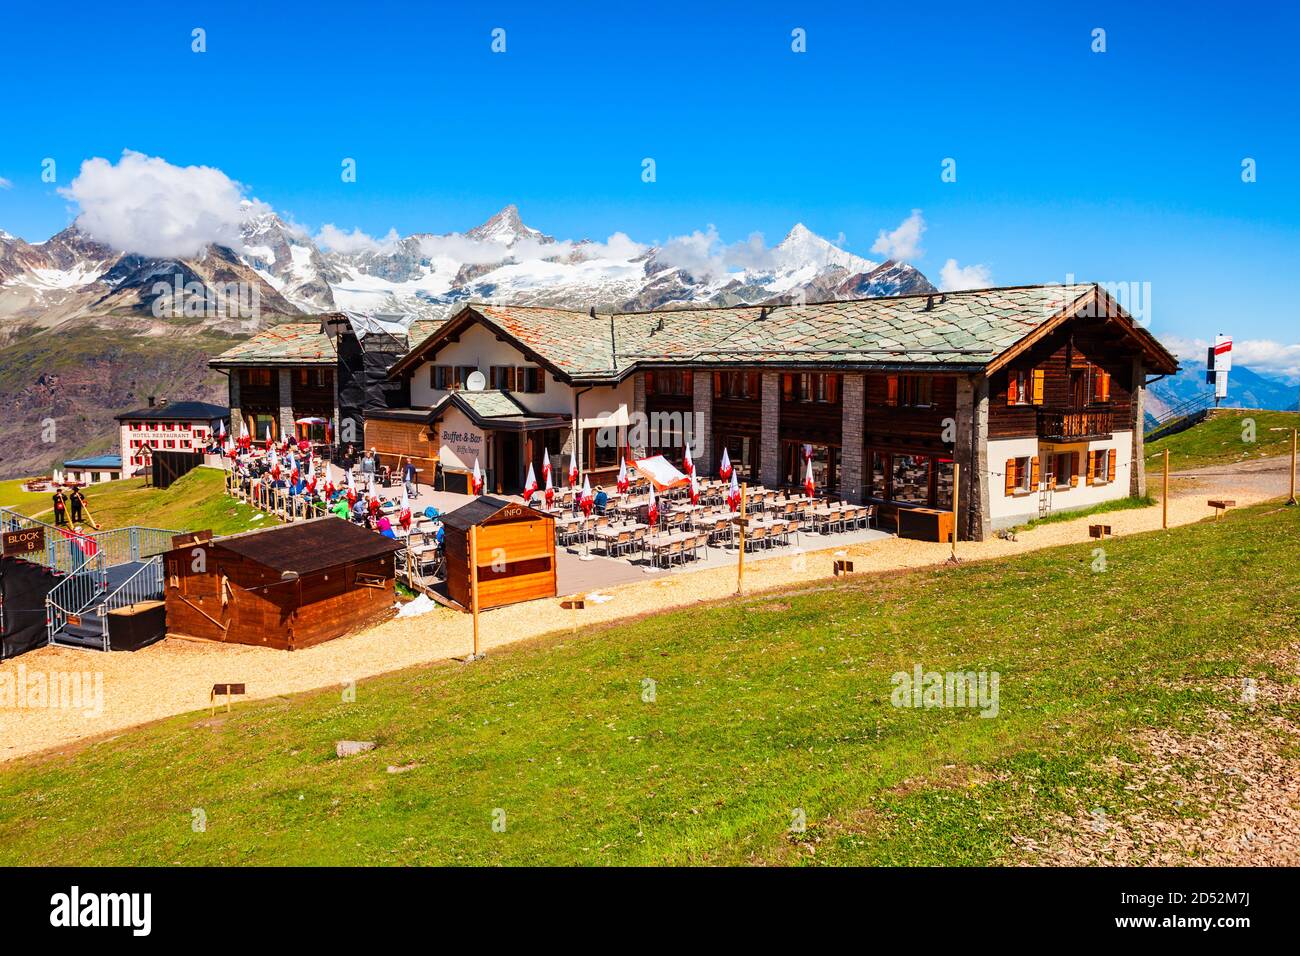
(506, 228)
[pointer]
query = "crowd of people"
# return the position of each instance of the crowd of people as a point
(294, 468)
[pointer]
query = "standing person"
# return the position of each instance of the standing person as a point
(437, 474)
(77, 500)
(408, 477)
(60, 508)
(349, 457)
(368, 466)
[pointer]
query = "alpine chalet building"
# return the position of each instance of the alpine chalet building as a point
(1036, 391)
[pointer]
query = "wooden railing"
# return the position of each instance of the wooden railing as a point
(1073, 423)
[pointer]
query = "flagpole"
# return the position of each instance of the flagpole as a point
(740, 568)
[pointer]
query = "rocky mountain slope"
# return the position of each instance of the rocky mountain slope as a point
(87, 332)
(281, 269)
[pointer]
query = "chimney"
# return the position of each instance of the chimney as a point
(151, 401)
(593, 311)
(929, 302)
(762, 314)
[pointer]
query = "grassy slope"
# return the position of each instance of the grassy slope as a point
(761, 707)
(13, 496)
(195, 502)
(1222, 440)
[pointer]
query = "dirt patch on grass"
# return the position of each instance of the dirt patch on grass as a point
(1228, 796)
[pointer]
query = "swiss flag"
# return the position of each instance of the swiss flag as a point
(530, 484)
(809, 485)
(89, 546)
(404, 515)
(652, 511)
(733, 493)
(724, 468)
(478, 478)
(688, 465)
(623, 483)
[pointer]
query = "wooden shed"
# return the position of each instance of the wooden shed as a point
(288, 587)
(516, 552)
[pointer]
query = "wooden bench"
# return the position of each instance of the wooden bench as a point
(925, 524)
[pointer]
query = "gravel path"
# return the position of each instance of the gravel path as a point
(174, 676)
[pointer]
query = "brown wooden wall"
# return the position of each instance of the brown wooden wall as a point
(1083, 343)
(289, 616)
(904, 428)
(393, 439)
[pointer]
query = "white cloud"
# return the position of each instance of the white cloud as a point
(954, 278)
(1265, 356)
(904, 243)
(334, 239)
(146, 205)
(705, 256)
(5, 183)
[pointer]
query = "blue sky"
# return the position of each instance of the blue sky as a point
(1123, 166)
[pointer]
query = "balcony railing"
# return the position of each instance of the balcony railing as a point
(1073, 424)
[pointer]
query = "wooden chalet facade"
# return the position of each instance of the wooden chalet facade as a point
(288, 587)
(316, 378)
(1036, 391)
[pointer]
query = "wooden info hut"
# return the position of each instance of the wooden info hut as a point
(516, 552)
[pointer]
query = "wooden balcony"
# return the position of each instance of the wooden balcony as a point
(1071, 424)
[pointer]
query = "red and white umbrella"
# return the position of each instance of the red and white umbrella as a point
(688, 465)
(733, 493)
(652, 510)
(623, 482)
(573, 473)
(724, 468)
(549, 494)
(311, 476)
(530, 484)
(478, 478)
(586, 499)
(695, 488)
(352, 491)
(809, 485)
(546, 464)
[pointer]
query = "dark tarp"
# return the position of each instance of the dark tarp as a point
(170, 465)
(24, 586)
(363, 378)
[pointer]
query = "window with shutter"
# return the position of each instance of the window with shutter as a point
(1092, 467)
(787, 388)
(1034, 474)
(717, 384)
(891, 390)
(1111, 457)
(1011, 477)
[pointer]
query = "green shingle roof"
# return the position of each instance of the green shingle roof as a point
(954, 328)
(290, 343)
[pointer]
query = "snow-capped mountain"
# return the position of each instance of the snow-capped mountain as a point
(72, 275)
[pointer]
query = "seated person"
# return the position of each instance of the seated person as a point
(600, 501)
(385, 527)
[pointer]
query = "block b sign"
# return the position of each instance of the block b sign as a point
(1218, 362)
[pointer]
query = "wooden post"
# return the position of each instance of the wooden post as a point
(1164, 502)
(956, 490)
(1291, 500)
(1294, 431)
(744, 507)
(473, 583)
